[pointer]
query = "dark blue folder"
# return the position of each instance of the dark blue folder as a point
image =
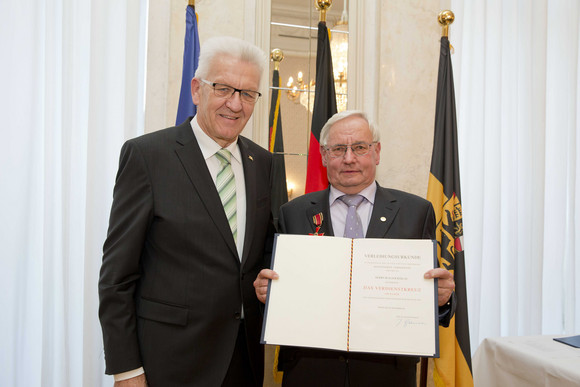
(573, 341)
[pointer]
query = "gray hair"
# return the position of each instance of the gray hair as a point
(228, 46)
(341, 116)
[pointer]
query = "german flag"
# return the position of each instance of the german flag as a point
(276, 146)
(324, 108)
(453, 368)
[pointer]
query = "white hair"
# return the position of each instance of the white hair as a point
(228, 46)
(341, 116)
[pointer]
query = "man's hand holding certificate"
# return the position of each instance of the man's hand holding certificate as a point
(361, 295)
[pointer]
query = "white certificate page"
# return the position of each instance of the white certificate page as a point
(308, 305)
(393, 308)
(363, 295)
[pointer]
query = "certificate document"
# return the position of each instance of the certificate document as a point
(360, 295)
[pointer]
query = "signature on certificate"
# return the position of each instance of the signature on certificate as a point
(408, 322)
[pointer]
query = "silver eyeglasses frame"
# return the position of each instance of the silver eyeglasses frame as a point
(222, 90)
(360, 148)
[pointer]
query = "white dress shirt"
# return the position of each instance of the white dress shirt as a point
(339, 209)
(208, 149)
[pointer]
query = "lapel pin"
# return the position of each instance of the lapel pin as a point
(251, 158)
(383, 219)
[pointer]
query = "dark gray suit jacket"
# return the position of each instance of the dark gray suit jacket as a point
(396, 214)
(407, 216)
(171, 285)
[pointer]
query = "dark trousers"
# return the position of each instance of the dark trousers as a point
(240, 373)
(342, 369)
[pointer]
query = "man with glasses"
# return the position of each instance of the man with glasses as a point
(350, 149)
(190, 228)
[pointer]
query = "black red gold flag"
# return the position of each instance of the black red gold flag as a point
(324, 108)
(453, 368)
(276, 146)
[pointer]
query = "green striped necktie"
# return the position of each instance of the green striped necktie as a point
(226, 186)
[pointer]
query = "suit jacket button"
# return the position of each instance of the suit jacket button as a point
(237, 315)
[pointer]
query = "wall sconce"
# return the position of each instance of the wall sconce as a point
(290, 187)
(300, 91)
(297, 87)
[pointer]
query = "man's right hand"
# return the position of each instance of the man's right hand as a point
(137, 381)
(261, 283)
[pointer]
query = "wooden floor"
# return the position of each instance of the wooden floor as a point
(269, 378)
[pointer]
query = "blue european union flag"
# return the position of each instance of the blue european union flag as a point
(186, 107)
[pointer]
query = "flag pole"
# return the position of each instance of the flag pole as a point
(323, 6)
(453, 367)
(445, 18)
(275, 146)
(277, 56)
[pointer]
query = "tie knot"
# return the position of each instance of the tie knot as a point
(224, 156)
(352, 200)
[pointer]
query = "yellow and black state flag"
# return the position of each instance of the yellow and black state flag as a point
(276, 147)
(453, 368)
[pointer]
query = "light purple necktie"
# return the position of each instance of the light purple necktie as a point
(353, 225)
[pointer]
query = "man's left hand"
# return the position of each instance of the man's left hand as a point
(446, 284)
(261, 283)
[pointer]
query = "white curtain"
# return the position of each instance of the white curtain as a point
(517, 81)
(71, 91)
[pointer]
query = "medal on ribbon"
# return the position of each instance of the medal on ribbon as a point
(317, 219)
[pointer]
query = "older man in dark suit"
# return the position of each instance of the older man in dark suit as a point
(190, 229)
(350, 149)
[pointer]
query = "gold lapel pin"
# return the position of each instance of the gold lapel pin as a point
(251, 158)
(383, 219)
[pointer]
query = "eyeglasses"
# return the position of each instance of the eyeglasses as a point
(358, 148)
(226, 91)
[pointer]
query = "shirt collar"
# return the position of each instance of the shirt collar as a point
(209, 147)
(368, 193)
